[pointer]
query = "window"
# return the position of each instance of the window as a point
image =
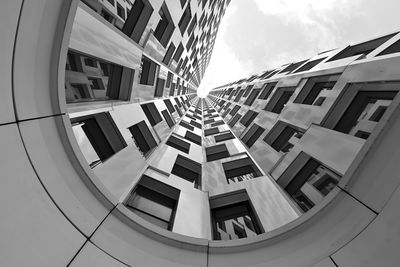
(120, 11)
(96, 83)
(178, 52)
(363, 48)
(186, 125)
(111, 2)
(187, 169)
(252, 97)
(208, 121)
(217, 152)
(165, 26)
(241, 92)
(293, 66)
(234, 110)
(154, 201)
(267, 90)
(223, 137)
(170, 77)
(233, 216)
(151, 113)
(252, 135)
(185, 19)
(309, 65)
(169, 105)
(314, 87)
(279, 138)
(178, 144)
(192, 25)
(149, 71)
(90, 62)
(179, 111)
(309, 185)
(211, 131)
(137, 20)
(279, 99)
(103, 134)
(218, 123)
(193, 137)
(240, 170)
(234, 120)
(394, 48)
(196, 124)
(167, 59)
(248, 118)
(159, 91)
(170, 121)
(143, 138)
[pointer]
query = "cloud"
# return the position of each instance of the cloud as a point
(225, 65)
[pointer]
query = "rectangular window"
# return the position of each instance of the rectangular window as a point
(149, 71)
(165, 26)
(103, 134)
(170, 120)
(234, 120)
(363, 48)
(193, 137)
(137, 19)
(159, 91)
(233, 216)
(167, 58)
(217, 152)
(154, 201)
(248, 89)
(240, 170)
(279, 136)
(143, 138)
(279, 99)
(178, 52)
(211, 131)
(185, 19)
(169, 105)
(252, 97)
(252, 135)
(196, 124)
(120, 11)
(248, 118)
(186, 125)
(267, 90)
(179, 144)
(394, 48)
(187, 169)
(152, 114)
(223, 137)
(234, 110)
(217, 123)
(309, 65)
(241, 92)
(293, 66)
(314, 87)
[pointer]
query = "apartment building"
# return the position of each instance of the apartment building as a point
(111, 159)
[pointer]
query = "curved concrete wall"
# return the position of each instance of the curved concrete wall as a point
(54, 213)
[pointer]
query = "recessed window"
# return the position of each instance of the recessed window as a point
(363, 48)
(267, 90)
(159, 91)
(179, 144)
(217, 152)
(279, 99)
(90, 62)
(165, 26)
(233, 216)
(248, 118)
(394, 48)
(120, 11)
(196, 124)
(234, 120)
(154, 201)
(252, 135)
(240, 170)
(169, 105)
(237, 98)
(152, 114)
(223, 137)
(137, 20)
(186, 125)
(185, 19)
(310, 184)
(218, 123)
(309, 65)
(187, 169)
(143, 138)
(149, 71)
(102, 133)
(282, 135)
(170, 120)
(248, 89)
(252, 97)
(193, 137)
(211, 131)
(314, 87)
(167, 60)
(234, 110)
(293, 66)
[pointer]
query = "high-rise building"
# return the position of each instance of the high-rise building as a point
(109, 157)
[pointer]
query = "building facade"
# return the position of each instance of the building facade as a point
(111, 158)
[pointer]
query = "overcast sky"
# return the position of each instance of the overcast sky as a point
(256, 35)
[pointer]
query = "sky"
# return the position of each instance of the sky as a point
(257, 35)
